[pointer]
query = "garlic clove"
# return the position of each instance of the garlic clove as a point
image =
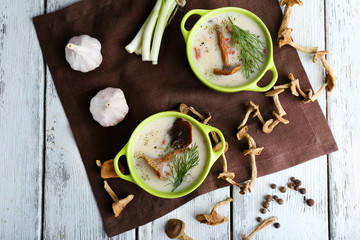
(109, 107)
(83, 53)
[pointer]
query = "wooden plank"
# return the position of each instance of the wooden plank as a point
(187, 213)
(297, 220)
(70, 210)
(342, 34)
(21, 121)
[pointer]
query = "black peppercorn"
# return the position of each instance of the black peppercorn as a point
(291, 185)
(297, 182)
(282, 189)
(277, 225)
(259, 219)
(310, 202)
(275, 197)
(263, 210)
(296, 188)
(280, 201)
(268, 198)
(273, 185)
(292, 179)
(265, 204)
(302, 190)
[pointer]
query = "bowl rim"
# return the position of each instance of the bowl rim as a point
(268, 64)
(130, 161)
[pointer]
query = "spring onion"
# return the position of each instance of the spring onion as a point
(148, 39)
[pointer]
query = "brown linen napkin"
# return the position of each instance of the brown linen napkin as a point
(150, 89)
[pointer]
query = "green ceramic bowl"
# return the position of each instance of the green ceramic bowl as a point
(269, 61)
(128, 149)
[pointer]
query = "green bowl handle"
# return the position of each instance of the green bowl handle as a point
(200, 12)
(256, 88)
(215, 155)
(116, 165)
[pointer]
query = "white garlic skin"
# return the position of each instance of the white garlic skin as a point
(83, 53)
(109, 107)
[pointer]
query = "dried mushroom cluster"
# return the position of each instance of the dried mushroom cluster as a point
(226, 175)
(284, 34)
(284, 38)
(107, 171)
(252, 151)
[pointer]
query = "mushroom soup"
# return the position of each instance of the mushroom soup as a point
(155, 143)
(207, 54)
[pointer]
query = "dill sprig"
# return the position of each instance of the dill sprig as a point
(182, 164)
(249, 46)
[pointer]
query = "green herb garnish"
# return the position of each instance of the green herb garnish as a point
(249, 46)
(182, 164)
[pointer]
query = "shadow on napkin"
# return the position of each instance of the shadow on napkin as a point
(150, 89)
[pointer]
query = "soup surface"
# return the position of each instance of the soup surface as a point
(206, 52)
(154, 142)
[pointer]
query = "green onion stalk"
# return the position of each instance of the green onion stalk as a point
(148, 39)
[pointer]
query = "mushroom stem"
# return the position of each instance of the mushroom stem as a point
(263, 225)
(287, 13)
(303, 49)
(247, 114)
(275, 95)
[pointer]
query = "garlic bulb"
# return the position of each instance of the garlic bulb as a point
(83, 53)
(109, 106)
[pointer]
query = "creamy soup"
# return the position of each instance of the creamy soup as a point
(206, 52)
(154, 142)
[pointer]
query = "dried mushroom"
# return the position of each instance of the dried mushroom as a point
(118, 205)
(251, 107)
(287, 40)
(185, 109)
(175, 229)
(226, 69)
(98, 163)
(158, 163)
(108, 170)
(228, 176)
(214, 218)
(252, 151)
(284, 34)
(287, 13)
(262, 225)
(278, 117)
(308, 95)
(330, 77)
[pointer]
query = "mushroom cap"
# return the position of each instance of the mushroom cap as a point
(250, 105)
(319, 54)
(253, 151)
(108, 170)
(121, 204)
(286, 37)
(291, 2)
(330, 80)
(174, 228)
(241, 133)
(292, 77)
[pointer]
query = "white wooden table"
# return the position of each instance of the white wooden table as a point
(44, 191)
